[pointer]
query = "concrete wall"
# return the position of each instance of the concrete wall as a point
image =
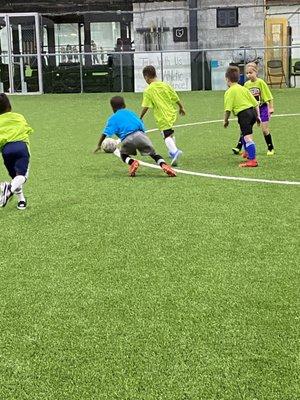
(250, 32)
(159, 17)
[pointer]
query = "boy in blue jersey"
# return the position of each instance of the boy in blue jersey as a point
(127, 126)
(14, 146)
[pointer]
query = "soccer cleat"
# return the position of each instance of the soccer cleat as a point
(6, 194)
(175, 156)
(133, 168)
(249, 164)
(168, 170)
(271, 152)
(244, 154)
(236, 150)
(21, 205)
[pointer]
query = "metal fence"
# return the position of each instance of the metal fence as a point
(185, 70)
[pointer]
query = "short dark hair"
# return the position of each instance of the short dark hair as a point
(117, 103)
(232, 74)
(4, 103)
(149, 71)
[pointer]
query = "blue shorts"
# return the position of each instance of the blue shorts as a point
(16, 158)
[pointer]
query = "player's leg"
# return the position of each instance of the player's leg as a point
(128, 148)
(238, 148)
(174, 152)
(268, 138)
(16, 159)
(251, 152)
(265, 117)
(145, 147)
(247, 119)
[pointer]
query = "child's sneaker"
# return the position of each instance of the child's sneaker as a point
(168, 170)
(22, 205)
(236, 151)
(133, 168)
(6, 194)
(249, 164)
(175, 156)
(271, 152)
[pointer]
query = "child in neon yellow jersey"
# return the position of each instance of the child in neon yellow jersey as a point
(163, 99)
(240, 101)
(14, 146)
(263, 95)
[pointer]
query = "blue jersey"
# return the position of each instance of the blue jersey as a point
(122, 123)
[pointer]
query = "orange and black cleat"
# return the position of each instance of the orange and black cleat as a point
(133, 168)
(168, 170)
(249, 164)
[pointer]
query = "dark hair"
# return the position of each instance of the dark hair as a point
(117, 103)
(4, 103)
(149, 71)
(232, 74)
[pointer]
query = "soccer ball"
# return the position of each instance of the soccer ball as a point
(109, 145)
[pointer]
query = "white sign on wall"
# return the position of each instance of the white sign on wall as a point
(176, 69)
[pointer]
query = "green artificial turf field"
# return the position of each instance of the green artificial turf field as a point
(151, 288)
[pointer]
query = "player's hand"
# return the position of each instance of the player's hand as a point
(226, 123)
(97, 150)
(258, 121)
(182, 111)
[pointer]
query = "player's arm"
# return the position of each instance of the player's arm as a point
(144, 110)
(102, 137)
(226, 118)
(271, 106)
(110, 129)
(258, 121)
(181, 108)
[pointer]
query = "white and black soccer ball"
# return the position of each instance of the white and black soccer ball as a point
(109, 145)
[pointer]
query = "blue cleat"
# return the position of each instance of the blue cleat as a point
(175, 156)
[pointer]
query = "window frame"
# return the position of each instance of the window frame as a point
(228, 9)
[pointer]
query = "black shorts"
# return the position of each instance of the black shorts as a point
(246, 120)
(16, 158)
(167, 132)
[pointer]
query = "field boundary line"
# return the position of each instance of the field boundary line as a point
(220, 120)
(215, 176)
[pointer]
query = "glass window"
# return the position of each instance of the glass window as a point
(104, 37)
(67, 42)
(4, 44)
(227, 17)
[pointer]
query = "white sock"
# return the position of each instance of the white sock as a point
(17, 182)
(19, 193)
(170, 145)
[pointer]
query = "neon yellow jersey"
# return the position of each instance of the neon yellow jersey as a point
(237, 98)
(162, 98)
(260, 90)
(13, 128)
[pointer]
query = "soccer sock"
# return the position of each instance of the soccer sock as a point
(17, 182)
(19, 193)
(240, 143)
(251, 150)
(169, 141)
(268, 139)
(158, 159)
(126, 159)
(243, 142)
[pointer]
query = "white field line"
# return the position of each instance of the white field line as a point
(221, 120)
(224, 177)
